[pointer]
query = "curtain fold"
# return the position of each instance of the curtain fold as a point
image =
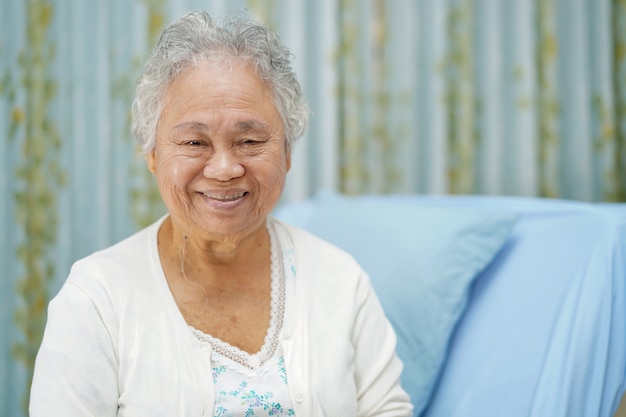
(522, 97)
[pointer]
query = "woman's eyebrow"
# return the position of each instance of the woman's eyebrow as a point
(251, 125)
(241, 126)
(198, 126)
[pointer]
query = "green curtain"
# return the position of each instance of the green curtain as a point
(520, 97)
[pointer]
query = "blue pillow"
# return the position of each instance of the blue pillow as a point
(422, 261)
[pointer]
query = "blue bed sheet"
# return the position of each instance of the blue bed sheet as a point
(545, 331)
(544, 334)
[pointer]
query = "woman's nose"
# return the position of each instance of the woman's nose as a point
(223, 166)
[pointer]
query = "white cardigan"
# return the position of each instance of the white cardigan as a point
(116, 344)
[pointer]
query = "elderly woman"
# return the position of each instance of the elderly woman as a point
(217, 309)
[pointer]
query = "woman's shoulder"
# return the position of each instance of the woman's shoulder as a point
(122, 264)
(327, 278)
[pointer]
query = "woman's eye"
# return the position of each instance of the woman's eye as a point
(193, 143)
(250, 141)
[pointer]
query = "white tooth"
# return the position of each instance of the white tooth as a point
(225, 198)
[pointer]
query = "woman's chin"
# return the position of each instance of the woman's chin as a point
(222, 227)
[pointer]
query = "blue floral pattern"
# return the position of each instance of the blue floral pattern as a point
(281, 370)
(257, 404)
(245, 400)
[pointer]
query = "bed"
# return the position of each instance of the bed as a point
(503, 306)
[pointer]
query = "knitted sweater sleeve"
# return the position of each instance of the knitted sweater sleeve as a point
(76, 367)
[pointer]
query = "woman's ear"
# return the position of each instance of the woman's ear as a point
(151, 161)
(288, 155)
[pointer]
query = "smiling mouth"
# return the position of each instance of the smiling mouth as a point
(225, 198)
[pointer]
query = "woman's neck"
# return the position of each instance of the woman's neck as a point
(214, 257)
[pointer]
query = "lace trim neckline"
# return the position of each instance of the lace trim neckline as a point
(277, 313)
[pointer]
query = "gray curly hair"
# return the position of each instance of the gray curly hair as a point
(196, 37)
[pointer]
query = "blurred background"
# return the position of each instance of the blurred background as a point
(515, 97)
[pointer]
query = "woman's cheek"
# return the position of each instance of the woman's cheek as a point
(180, 170)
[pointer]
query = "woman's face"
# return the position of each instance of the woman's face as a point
(220, 158)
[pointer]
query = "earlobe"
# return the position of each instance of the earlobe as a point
(151, 161)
